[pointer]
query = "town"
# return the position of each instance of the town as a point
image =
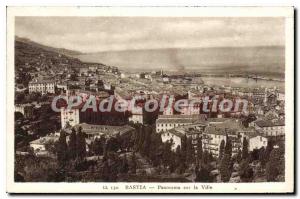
(136, 145)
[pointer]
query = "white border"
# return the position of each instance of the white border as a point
(287, 12)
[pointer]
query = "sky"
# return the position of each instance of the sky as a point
(97, 34)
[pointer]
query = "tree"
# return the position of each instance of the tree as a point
(254, 155)
(225, 168)
(180, 160)
(105, 172)
(62, 149)
(222, 148)
(72, 145)
(261, 155)
(205, 157)
(246, 120)
(141, 137)
(245, 171)
(133, 163)
(167, 156)
(74, 77)
(145, 143)
(190, 152)
(113, 144)
(199, 150)
(202, 175)
(268, 150)
(97, 147)
(155, 151)
(275, 166)
(239, 156)
(245, 152)
(124, 167)
(228, 147)
(80, 144)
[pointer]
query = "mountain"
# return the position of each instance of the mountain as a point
(47, 48)
(30, 55)
(240, 60)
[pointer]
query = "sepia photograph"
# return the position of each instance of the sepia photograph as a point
(150, 100)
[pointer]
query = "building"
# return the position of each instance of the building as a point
(212, 132)
(39, 146)
(96, 131)
(70, 117)
(62, 87)
(167, 122)
(93, 68)
(275, 128)
(137, 115)
(224, 129)
(42, 86)
(25, 109)
(212, 138)
(256, 141)
(77, 114)
(83, 71)
(190, 108)
(259, 95)
(270, 99)
(177, 135)
(174, 136)
(280, 96)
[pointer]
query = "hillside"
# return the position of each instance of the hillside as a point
(47, 48)
(31, 56)
(28, 56)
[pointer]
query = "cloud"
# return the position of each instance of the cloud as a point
(93, 34)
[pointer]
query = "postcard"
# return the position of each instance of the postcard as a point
(150, 100)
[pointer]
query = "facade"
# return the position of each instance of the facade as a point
(257, 141)
(137, 115)
(190, 109)
(211, 140)
(270, 128)
(174, 136)
(280, 96)
(83, 71)
(224, 129)
(70, 117)
(25, 109)
(95, 131)
(42, 86)
(167, 122)
(39, 145)
(177, 135)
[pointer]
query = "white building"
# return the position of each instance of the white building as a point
(71, 117)
(42, 86)
(212, 138)
(280, 96)
(137, 115)
(257, 141)
(190, 108)
(193, 131)
(25, 109)
(172, 136)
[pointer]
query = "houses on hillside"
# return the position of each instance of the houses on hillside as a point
(212, 132)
